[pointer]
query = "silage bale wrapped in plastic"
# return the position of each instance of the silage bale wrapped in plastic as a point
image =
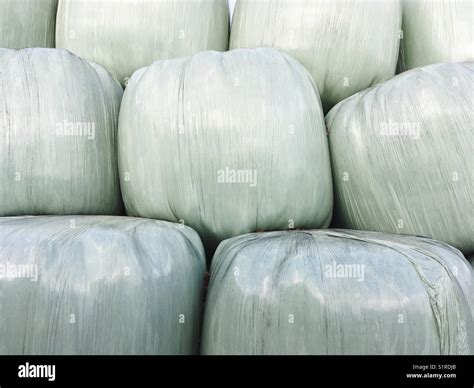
(126, 35)
(58, 122)
(402, 155)
(347, 45)
(436, 31)
(337, 292)
(27, 23)
(99, 285)
(227, 143)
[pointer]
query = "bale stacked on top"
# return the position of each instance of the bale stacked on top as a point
(347, 45)
(227, 143)
(124, 36)
(436, 31)
(58, 122)
(27, 23)
(402, 155)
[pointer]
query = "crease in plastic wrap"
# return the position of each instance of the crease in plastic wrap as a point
(346, 45)
(402, 156)
(58, 123)
(27, 23)
(227, 143)
(436, 31)
(338, 292)
(126, 35)
(99, 285)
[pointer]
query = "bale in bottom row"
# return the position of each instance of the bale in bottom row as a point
(338, 292)
(114, 285)
(99, 285)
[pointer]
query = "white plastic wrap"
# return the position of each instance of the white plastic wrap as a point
(347, 45)
(231, 7)
(125, 35)
(99, 285)
(27, 23)
(402, 155)
(58, 122)
(227, 143)
(338, 292)
(436, 31)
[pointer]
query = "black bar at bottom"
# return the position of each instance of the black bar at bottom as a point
(320, 371)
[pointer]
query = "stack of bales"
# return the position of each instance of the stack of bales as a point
(236, 145)
(103, 284)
